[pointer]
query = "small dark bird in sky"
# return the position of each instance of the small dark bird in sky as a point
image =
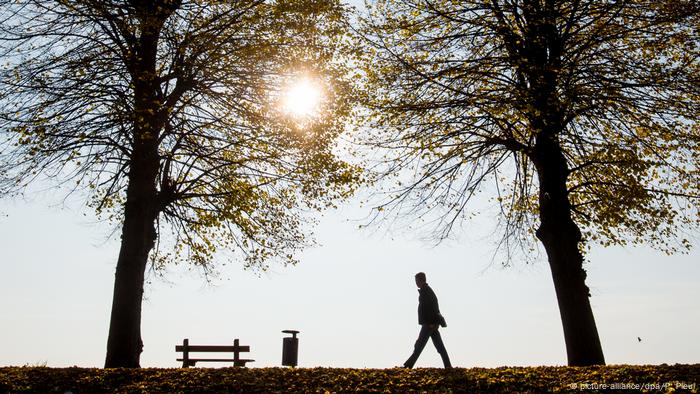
(639, 339)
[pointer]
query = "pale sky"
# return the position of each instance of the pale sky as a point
(353, 298)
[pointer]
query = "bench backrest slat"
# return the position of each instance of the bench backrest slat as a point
(213, 348)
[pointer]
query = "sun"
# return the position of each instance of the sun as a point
(302, 98)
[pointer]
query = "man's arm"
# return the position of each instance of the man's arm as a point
(433, 310)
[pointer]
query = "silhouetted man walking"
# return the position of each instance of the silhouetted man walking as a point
(430, 319)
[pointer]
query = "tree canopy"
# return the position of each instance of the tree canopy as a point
(455, 94)
(230, 164)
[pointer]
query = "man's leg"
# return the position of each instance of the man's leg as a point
(440, 346)
(418, 347)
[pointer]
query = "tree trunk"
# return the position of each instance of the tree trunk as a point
(124, 344)
(561, 237)
(141, 209)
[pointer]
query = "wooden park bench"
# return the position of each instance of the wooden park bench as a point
(188, 361)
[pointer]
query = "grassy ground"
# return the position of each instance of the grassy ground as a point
(610, 379)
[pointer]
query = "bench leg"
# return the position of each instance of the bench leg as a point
(185, 353)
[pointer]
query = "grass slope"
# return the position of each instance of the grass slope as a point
(617, 379)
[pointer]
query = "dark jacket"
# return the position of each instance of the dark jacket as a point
(428, 309)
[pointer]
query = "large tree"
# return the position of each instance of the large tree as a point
(583, 113)
(167, 113)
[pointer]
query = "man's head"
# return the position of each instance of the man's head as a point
(420, 280)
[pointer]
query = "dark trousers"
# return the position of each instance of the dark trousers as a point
(434, 334)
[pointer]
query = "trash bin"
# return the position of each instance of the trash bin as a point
(290, 349)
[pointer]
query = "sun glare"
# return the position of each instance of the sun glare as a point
(302, 98)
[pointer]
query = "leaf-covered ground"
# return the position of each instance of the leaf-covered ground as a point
(617, 379)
